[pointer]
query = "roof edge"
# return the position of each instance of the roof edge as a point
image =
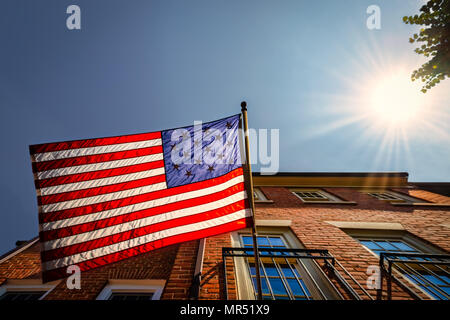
(335, 174)
(11, 253)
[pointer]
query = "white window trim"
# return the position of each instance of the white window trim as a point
(399, 197)
(28, 285)
(392, 235)
(261, 196)
(135, 286)
(368, 225)
(244, 284)
(331, 198)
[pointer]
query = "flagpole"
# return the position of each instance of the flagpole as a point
(251, 197)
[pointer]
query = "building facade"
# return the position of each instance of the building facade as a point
(320, 236)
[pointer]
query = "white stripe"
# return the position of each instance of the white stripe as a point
(54, 155)
(139, 206)
(98, 166)
(128, 244)
(101, 182)
(166, 216)
(70, 204)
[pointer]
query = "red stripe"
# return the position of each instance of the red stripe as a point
(100, 224)
(142, 231)
(131, 252)
(96, 158)
(78, 194)
(78, 211)
(98, 174)
(75, 144)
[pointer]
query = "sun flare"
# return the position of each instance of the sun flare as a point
(395, 100)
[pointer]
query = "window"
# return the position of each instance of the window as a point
(315, 195)
(282, 278)
(130, 296)
(132, 290)
(392, 197)
(259, 196)
(279, 280)
(377, 246)
(431, 279)
(22, 296)
(25, 289)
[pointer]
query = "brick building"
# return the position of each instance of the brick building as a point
(321, 236)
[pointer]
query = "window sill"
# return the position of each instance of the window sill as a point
(263, 201)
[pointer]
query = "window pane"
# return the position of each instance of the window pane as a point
(271, 271)
(247, 240)
(437, 294)
(122, 296)
(402, 246)
(253, 270)
(445, 278)
(287, 272)
(21, 296)
(276, 242)
(433, 279)
(262, 241)
(277, 286)
(369, 244)
(415, 279)
(295, 287)
(265, 288)
(386, 245)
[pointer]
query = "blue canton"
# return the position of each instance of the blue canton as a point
(201, 152)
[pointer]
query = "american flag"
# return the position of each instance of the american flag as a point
(103, 200)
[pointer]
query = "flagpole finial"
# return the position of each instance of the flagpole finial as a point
(243, 106)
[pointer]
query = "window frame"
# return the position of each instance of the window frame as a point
(261, 197)
(398, 197)
(395, 235)
(392, 235)
(245, 289)
(154, 286)
(28, 285)
(329, 198)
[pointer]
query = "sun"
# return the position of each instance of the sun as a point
(395, 100)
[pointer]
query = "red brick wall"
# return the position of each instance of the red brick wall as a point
(182, 273)
(212, 284)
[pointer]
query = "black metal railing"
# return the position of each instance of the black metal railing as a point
(330, 268)
(416, 273)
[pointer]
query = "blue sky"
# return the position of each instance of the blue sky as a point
(305, 67)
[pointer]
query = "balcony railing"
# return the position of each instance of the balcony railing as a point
(326, 264)
(416, 273)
